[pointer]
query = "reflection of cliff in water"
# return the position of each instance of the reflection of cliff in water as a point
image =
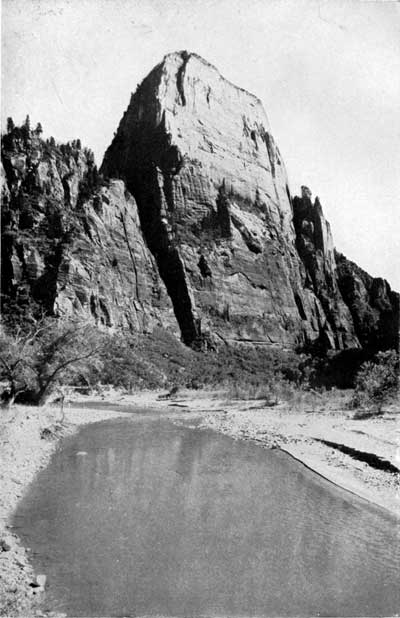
(159, 519)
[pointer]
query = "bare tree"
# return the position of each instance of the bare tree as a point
(48, 353)
(15, 359)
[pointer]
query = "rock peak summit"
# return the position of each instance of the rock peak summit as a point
(183, 57)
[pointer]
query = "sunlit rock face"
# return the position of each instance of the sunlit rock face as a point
(73, 244)
(198, 155)
(191, 226)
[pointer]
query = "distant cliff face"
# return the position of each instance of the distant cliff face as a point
(193, 228)
(374, 306)
(315, 248)
(72, 244)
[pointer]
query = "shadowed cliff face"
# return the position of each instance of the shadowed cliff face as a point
(348, 295)
(194, 227)
(315, 248)
(374, 306)
(72, 243)
(198, 155)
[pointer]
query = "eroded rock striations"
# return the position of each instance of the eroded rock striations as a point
(346, 292)
(316, 250)
(71, 243)
(221, 245)
(374, 306)
(240, 260)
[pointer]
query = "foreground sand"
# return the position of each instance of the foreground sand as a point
(28, 437)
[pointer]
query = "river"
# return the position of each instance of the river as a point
(144, 517)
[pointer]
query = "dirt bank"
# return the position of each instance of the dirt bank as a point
(359, 455)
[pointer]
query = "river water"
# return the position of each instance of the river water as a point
(144, 517)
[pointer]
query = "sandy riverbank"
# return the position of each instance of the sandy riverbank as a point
(360, 456)
(28, 437)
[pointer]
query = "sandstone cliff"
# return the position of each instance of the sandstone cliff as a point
(198, 155)
(346, 292)
(315, 248)
(71, 243)
(374, 306)
(190, 225)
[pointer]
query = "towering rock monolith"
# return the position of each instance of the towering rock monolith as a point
(197, 153)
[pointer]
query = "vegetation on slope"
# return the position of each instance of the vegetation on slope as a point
(41, 357)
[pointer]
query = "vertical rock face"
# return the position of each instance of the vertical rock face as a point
(315, 247)
(72, 244)
(359, 308)
(212, 191)
(374, 306)
(194, 227)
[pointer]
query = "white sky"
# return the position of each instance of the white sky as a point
(328, 73)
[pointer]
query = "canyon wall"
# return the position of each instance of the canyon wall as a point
(72, 244)
(190, 224)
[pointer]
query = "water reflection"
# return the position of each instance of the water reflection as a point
(157, 519)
